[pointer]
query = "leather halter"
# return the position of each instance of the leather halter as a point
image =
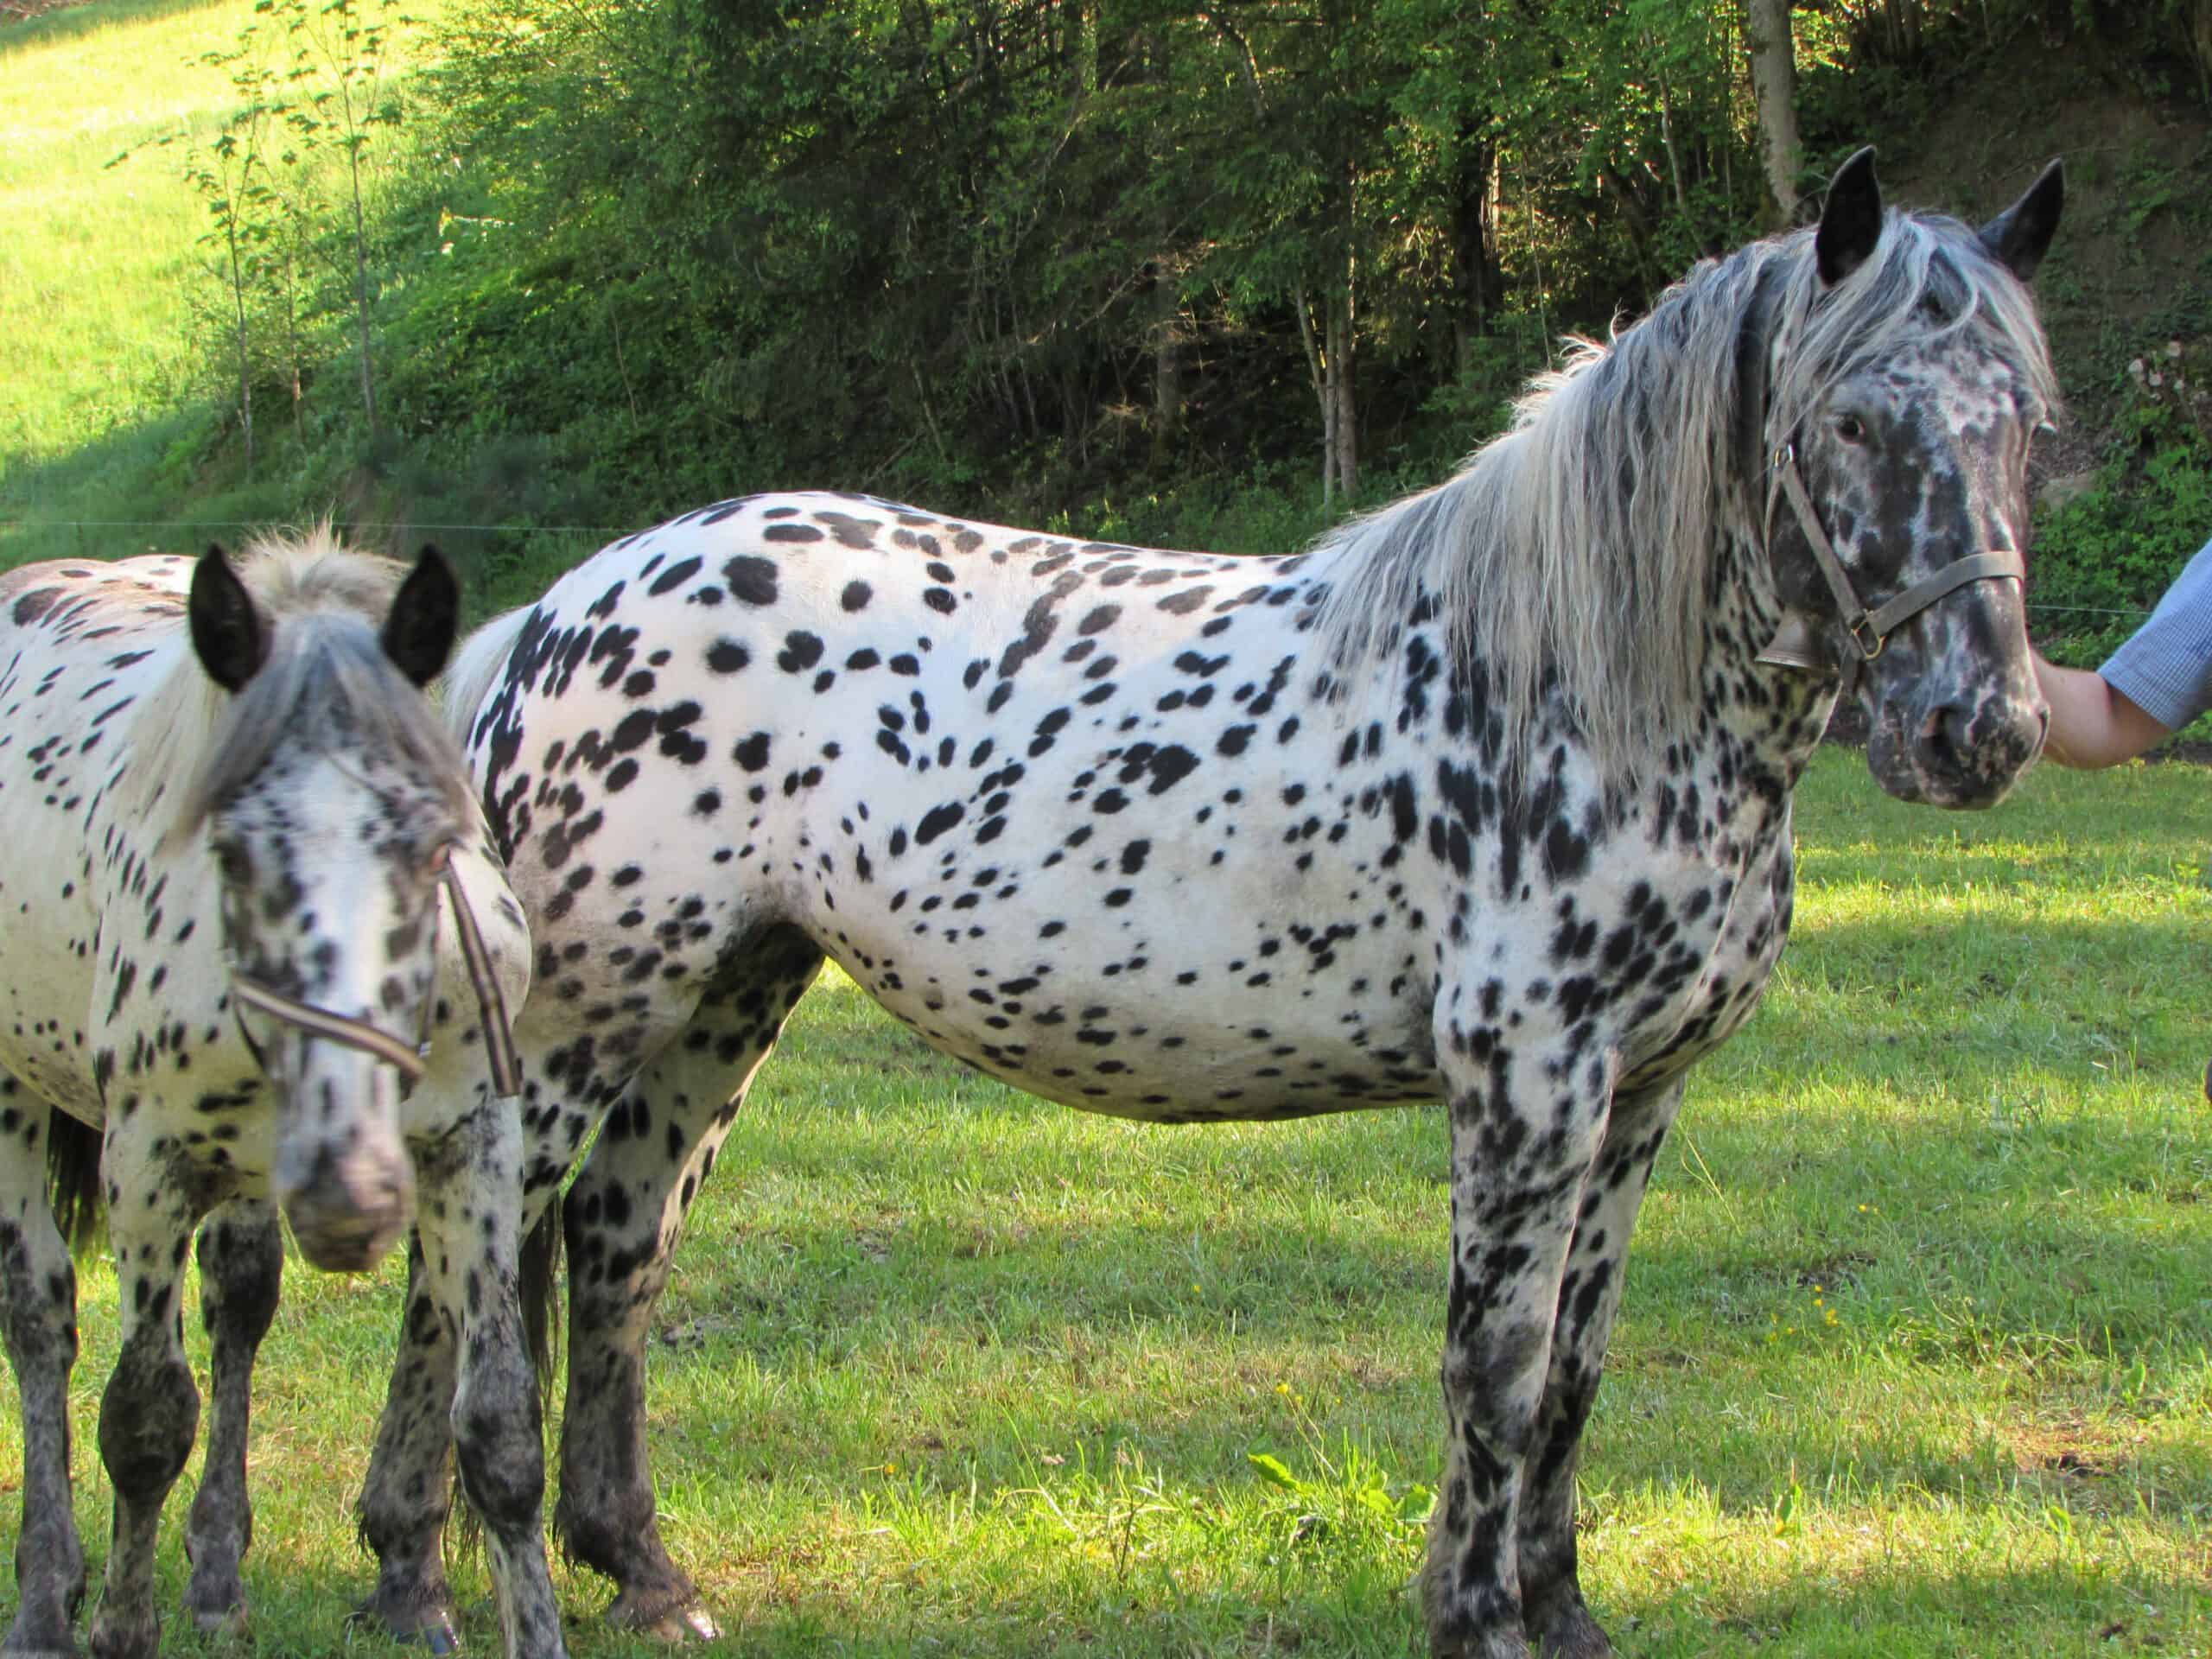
(1796, 645)
(405, 1057)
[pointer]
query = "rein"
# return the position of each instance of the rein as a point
(1794, 645)
(372, 1040)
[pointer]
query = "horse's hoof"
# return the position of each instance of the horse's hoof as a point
(1570, 1634)
(126, 1638)
(430, 1623)
(678, 1626)
(228, 1624)
(36, 1641)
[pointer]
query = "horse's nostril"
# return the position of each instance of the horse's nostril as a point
(1944, 735)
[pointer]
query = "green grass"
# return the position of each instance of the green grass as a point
(1916, 1357)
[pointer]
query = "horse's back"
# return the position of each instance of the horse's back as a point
(1074, 811)
(80, 644)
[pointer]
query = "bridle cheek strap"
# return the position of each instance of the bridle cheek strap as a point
(499, 1034)
(373, 1041)
(1869, 631)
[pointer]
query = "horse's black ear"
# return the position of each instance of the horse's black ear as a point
(424, 617)
(227, 632)
(1851, 221)
(2020, 236)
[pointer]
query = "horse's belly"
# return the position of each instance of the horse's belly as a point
(1199, 1017)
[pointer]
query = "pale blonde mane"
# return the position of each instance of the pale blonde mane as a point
(321, 605)
(1574, 554)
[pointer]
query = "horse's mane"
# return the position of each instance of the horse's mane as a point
(1577, 549)
(477, 663)
(321, 605)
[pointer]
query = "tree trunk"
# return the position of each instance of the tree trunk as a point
(1167, 365)
(1774, 83)
(1343, 426)
(245, 356)
(1477, 282)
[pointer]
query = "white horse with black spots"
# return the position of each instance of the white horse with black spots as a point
(234, 821)
(1485, 798)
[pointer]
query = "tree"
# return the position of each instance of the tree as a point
(1774, 82)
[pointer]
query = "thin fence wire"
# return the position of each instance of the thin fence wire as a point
(618, 529)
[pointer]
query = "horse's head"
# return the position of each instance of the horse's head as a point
(1897, 444)
(331, 810)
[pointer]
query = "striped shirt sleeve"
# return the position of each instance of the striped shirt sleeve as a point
(2165, 667)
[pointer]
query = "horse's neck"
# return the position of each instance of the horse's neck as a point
(1775, 714)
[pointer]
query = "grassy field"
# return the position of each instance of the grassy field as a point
(1916, 1359)
(102, 391)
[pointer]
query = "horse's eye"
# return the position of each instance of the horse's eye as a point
(1851, 428)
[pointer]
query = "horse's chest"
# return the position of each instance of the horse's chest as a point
(1747, 890)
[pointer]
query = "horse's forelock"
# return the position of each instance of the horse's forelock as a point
(324, 604)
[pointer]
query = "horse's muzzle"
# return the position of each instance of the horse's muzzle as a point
(350, 1210)
(1956, 754)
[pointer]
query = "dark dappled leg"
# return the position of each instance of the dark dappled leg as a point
(1523, 1140)
(1559, 1624)
(469, 1224)
(38, 1312)
(241, 1273)
(149, 1414)
(623, 1217)
(405, 1502)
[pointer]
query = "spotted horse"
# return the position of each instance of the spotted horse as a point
(1484, 798)
(234, 822)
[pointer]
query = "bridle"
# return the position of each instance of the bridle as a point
(406, 1058)
(1795, 644)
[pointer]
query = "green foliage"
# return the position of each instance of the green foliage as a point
(2102, 559)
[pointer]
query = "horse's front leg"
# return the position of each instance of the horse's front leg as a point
(1559, 1624)
(149, 1414)
(403, 1504)
(241, 1272)
(469, 1221)
(38, 1315)
(1526, 1121)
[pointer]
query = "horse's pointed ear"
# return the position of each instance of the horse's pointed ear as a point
(425, 615)
(1851, 221)
(226, 631)
(2020, 236)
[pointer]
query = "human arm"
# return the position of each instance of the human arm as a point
(2092, 723)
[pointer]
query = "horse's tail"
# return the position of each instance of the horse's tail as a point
(73, 1179)
(475, 666)
(538, 1275)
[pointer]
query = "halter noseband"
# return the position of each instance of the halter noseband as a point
(373, 1041)
(1794, 646)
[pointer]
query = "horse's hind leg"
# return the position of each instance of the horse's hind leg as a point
(623, 1217)
(404, 1500)
(38, 1312)
(1559, 1624)
(149, 1414)
(241, 1272)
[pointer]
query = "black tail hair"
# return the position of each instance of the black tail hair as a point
(72, 1178)
(538, 1283)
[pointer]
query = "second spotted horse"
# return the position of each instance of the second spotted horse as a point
(1484, 799)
